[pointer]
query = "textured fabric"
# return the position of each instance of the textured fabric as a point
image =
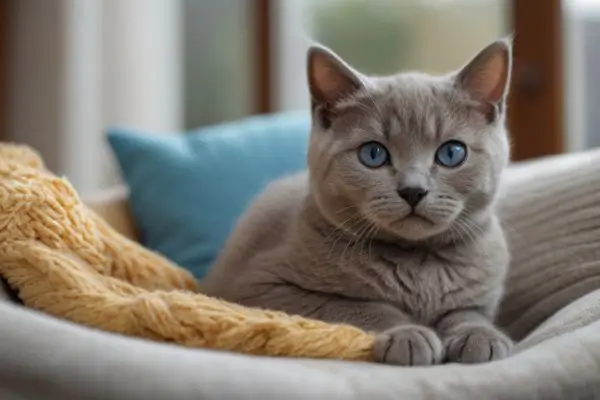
(63, 260)
(551, 212)
(190, 183)
(552, 300)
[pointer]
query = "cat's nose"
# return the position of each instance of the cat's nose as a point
(412, 195)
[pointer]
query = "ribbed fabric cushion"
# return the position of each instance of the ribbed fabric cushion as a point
(551, 212)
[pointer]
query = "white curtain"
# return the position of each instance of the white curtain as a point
(81, 65)
(291, 41)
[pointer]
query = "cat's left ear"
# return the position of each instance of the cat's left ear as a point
(486, 78)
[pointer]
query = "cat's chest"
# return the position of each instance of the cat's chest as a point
(427, 284)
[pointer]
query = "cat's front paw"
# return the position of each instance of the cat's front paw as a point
(408, 345)
(476, 344)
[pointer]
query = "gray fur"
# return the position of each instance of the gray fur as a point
(338, 244)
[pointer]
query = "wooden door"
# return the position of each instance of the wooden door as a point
(536, 111)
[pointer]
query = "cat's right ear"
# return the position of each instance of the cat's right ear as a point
(330, 79)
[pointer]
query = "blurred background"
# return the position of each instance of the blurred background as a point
(69, 68)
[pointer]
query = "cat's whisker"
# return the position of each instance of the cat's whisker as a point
(341, 210)
(356, 242)
(351, 229)
(467, 231)
(348, 243)
(341, 226)
(475, 227)
(468, 228)
(340, 232)
(372, 235)
(362, 239)
(456, 230)
(457, 227)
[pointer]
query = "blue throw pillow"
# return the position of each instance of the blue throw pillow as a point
(187, 190)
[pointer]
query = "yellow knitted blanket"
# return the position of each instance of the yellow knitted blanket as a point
(62, 259)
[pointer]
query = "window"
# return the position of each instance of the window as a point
(217, 61)
(384, 36)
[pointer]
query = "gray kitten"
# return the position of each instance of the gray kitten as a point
(393, 228)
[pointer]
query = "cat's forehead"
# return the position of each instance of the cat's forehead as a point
(412, 92)
(411, 102)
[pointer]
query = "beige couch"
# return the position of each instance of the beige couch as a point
(551, 210)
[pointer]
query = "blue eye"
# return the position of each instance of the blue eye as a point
(373, 154)
(451, 154)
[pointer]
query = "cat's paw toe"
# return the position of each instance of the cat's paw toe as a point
(408, 345)
(477, 344)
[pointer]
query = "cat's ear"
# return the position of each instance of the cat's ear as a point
(330, 79)
(486, 78)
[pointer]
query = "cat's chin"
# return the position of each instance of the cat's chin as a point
(415, 228)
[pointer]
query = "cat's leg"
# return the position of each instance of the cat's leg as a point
(470, 337)
(408, 344)
(398, 340)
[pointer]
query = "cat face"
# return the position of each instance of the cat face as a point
(410, 155)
